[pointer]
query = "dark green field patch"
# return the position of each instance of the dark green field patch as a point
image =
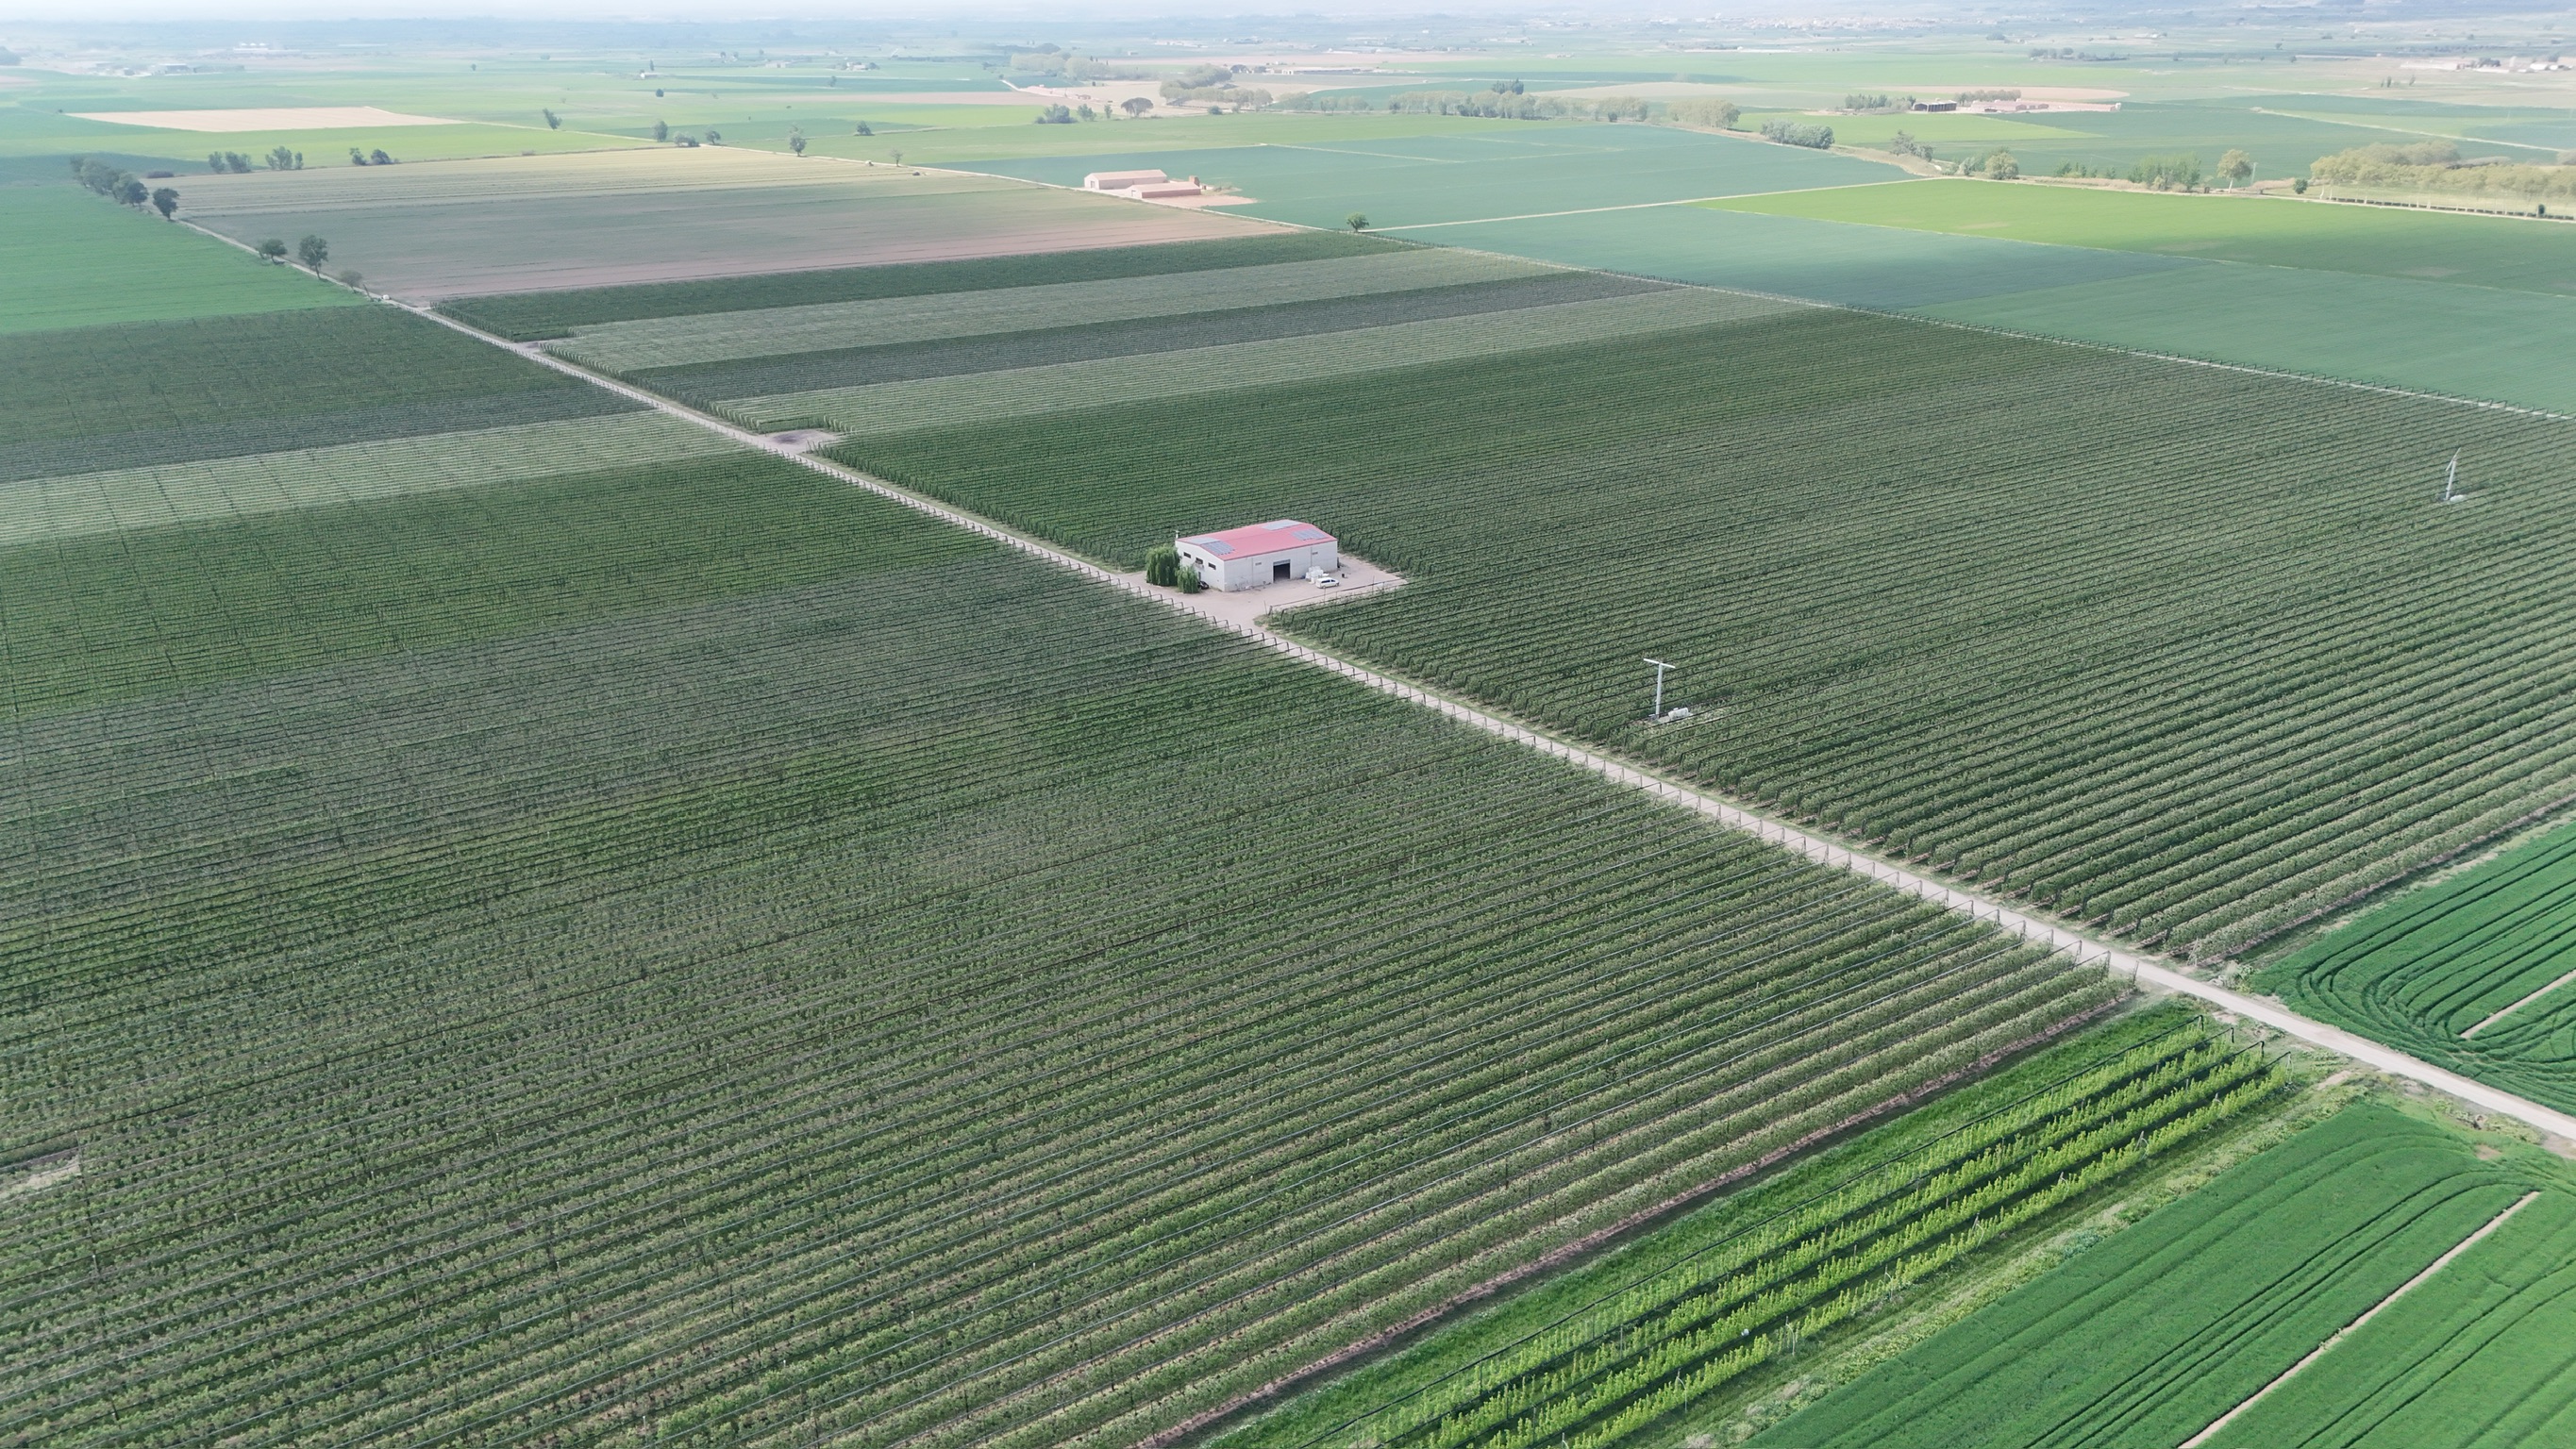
(118, 616)
(256, 375)
(1981, 600)
(528, 317)
(859, 366)
(239, 437)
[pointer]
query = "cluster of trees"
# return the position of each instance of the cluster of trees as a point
(1970, 98)
(1799, 133)
(1867, 101)
(1996, 165)
(2437, 166)
(312, 251)
(2179, 172)
(121, 186)
(1049, 60)
(282, 159)
(1904, 144)
(1213, 86)
(1707, 112)
(220, 162)
(379, 158)
(1164, 570)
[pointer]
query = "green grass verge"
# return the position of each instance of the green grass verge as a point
(69, 259)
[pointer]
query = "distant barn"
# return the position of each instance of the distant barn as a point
(1262, 553)
(1147, 185)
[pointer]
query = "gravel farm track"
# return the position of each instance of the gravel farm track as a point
(1977, 906)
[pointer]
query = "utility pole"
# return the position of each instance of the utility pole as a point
(1660, 667)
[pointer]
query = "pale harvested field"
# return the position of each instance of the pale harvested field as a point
(536, 223)
(265, 118)
(773, 331)
(894, 407)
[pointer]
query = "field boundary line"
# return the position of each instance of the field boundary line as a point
(2517, 1006)
(2340, 1334)
(2082, 947)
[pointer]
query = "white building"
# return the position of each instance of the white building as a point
(1141, 185)
(1262, 553)
(1122, 180)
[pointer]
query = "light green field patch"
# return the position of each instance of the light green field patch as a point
(1935, 127)
(70, 259)
(777, 331)
(893, 407)
(2477, 342)
(177, 493)
(187, 150)
(2270, 231)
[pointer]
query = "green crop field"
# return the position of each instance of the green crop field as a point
(1770, 1272)
(71, 259)
(1511, 169)
(983, 353)
(2149, 1339)
(773, 331)
(1021, 388)
(2417, 334)
(2471, 972)
(461, 932)
(1976, 599)
(97, 399)
(2270, 231)
(1005, 338)
(526, 922)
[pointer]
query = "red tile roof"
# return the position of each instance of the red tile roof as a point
(1275, 537)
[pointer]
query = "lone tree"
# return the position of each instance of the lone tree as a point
(1135, 105)
(862, 128)
(273, 249)
(1163, 566)
(553, 121)
(2237, 167)
(661, 131)
(165, 201)
(313, 251)
(1356, 221)
(796, 139)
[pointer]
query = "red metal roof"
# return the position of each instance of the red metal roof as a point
(1275, 537)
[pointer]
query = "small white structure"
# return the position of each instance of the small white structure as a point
(1263, 553)
(1142, 185)
(1121, 180)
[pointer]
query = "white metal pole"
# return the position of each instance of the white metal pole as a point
(1660, 667)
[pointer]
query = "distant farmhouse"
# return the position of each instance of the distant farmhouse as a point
(1143, 185)
(1262, 553)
